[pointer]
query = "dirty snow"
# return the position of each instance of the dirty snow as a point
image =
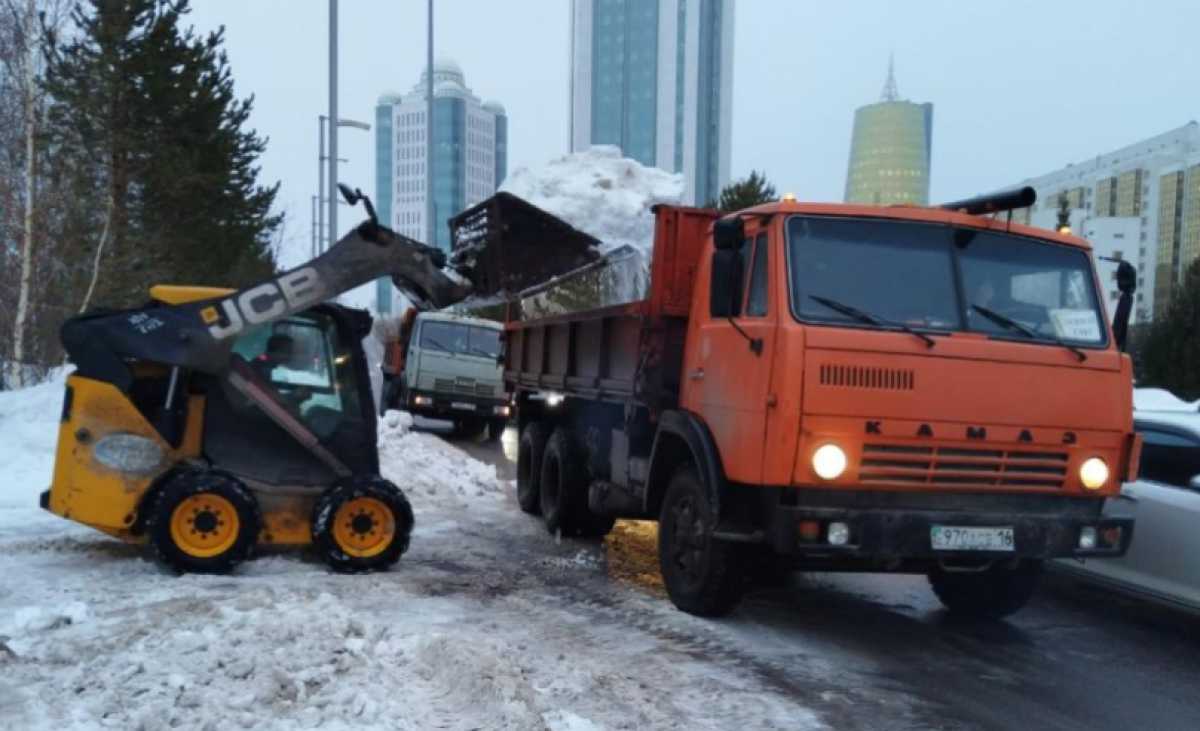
(487, 622)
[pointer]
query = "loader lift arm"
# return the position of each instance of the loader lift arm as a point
(198, 335)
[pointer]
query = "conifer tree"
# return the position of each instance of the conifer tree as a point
(1170, 354)
(751, 191)
(158, 146)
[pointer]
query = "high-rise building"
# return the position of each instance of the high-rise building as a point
(470, 157)
(655, 78)
(890, 150)
(1140, 203)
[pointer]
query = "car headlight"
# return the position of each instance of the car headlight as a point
(829, 462)
(1093, 473)
(129, 453)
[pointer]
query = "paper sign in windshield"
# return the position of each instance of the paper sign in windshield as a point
(1071, 324)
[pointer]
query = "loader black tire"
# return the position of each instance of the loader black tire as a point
(703, 576)
(362, 524)
(564, 486)
(529, 466)
(203, 522)
(995, 592)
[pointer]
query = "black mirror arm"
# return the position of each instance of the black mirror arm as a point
(756, 344)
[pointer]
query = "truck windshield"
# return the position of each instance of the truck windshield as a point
(460, 338)
(904, 273)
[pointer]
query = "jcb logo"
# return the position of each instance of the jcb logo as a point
(291, 292)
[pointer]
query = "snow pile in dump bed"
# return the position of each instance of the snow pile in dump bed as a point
(29, 430)
(1160, 399)
(609, 197)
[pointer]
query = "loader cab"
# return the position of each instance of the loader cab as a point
(312, 367)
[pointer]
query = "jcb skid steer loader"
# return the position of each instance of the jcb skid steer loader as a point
(209, 422)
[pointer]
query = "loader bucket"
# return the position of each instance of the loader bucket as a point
(506, 245)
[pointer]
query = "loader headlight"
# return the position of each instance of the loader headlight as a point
(129, 453)
(1093, 473)
(829, 462)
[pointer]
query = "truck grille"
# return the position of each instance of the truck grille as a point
(961, 467)
(464, 386)
(892, 379)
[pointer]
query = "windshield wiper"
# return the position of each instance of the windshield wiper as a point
(870, 319)
(1011, 324)
(437, 345)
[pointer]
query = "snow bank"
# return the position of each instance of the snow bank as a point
(1160, 399)
(29, 429)
(432, 472)
(609, 197)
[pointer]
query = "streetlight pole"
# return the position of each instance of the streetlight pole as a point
(316, 229)
(431, 225)
(329, 197)
(321, 197)
(333, 116)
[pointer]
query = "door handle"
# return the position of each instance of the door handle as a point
(697, 374)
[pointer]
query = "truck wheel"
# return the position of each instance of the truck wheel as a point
(995, 592)
(563, 487)
(529, 467)
(495, 429)
(702, 576)
(203, 522)
(363, 524)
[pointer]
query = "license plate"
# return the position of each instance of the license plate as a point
(960, 538)
(462, 406)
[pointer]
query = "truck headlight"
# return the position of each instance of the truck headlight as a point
(501, 410)
(128, 453)
(422, 401)
(829, 462)
(1093, 473)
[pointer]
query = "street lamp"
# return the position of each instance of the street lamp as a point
(321, 192)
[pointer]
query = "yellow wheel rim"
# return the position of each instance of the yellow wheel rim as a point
(204, 525)
(363, 527)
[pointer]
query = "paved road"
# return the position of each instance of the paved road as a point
(1075, 658)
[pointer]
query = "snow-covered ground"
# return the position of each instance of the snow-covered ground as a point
(486, 623)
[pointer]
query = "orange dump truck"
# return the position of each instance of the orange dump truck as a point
(838, 388)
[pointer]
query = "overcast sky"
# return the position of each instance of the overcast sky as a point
(1019, 87)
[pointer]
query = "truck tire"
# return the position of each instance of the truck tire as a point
(563, 487)
(529, 466)
(995, 592)
(203, 522)
(363, 524)
(702, 576)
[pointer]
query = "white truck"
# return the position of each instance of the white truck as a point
(447, 366)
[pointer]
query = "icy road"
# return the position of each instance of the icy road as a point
(489, 623)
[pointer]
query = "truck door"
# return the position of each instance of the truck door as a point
(727, 367)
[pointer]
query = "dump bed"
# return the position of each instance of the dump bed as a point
(629, 352)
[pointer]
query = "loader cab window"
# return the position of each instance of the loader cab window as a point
(300, 358)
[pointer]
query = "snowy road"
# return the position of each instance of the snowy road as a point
(488, 622)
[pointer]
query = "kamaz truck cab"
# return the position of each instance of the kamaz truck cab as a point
(452, 371)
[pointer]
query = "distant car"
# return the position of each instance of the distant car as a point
(1163, 561)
